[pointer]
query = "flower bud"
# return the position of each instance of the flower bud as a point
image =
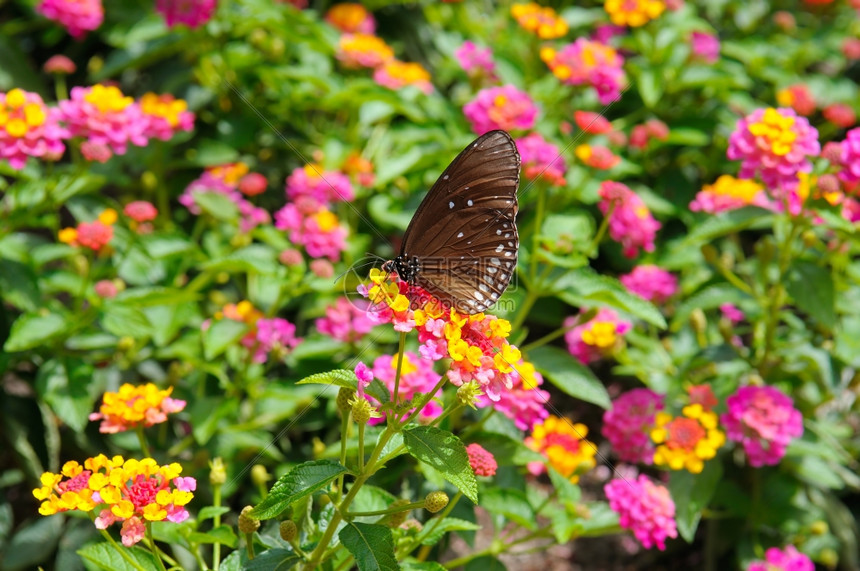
(468, 393)
(698, 320)
(362, 410)
(344, 396)
(435, 501)
(217, 472)
(247, 522)
(259, 475)
(819, 527)
(289, 530)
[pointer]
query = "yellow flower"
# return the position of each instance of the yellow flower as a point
(107, 98)
(776, 129)
(165, 106)
(600, 334)
(633, 13)
(564, 445)
(539, 20)
(686, 441)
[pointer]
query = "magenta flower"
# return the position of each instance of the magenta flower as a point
(729, 193)
(586, 62)
(166, 115)
(105, 289)
(346, 320)
(396, 74)
(630, 221)
(731, 312)
(140, 211)
(775, 144)
(644, 508)
(276, 336)
(313, 226)
(325, 187)
(417, 376)
(504, 107)
(764, 420)
(524, 403)
(29, 128)
(482, 462)
(627, 425)
(651, 282)
(541, 159)
(706, 47)
(192, 13)
(850, 156)
(788, 559)
(77, 16)
(476, 61)
(596, 338)
(59, 64)
(104, 116)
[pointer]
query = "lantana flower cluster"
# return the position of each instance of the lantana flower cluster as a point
(685, 442)
(651, 282)
(504, 107)
(227, 180)
(563, 443)
(192, 13)
(630, 221)
(135, 407)
(587, 62)
(729, 193)
(645, 508)
(541, 21)
(130, 491)
(275, 337)
(633, 13)
(627, 425)
(787, 559)
(29, 128)
(596, 338)
(95, 235)
(78, 17)
(764, 421)
(477, 344)
(541, 160)
(416, 376)
(476, 61)
(346, 320)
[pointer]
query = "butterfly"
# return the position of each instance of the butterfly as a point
(461, 245)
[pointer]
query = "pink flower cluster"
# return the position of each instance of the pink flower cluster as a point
(706, 47)
(597, 337)
(586, 62)
(346, 320)
(275, 335)
(850, 156)
(627, 425)
(775, 144)
(192, 13)
(541, 159)
(104, 116)
(644, 508)
(477, 62)
(651, 282)
(29, 128)
(77, 16)
(764, 421)
(417, 376)
(311, 181)
(788, 559)
(524, 402)
(313, 226)
(504, 107)
(167, 115)
(482, 462)
(225, 179)
(630, 221)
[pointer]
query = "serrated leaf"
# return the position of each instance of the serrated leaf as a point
(585, 287)
(811, 287)
(33, 329)
(372, 546)
(436, 528)
(339, 377)
(301, 481)
(105, 556)
(566, 372)
(692, 493)
(727, 223)
(276, 559)
(220, 335)
(444, 452)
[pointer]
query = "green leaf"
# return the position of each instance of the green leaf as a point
(220, 335)
(568, 492)
(31, 542)
(510, 503)
(34, 329)
(710, 297)
(485, 563)
(728, 223)
(691, 494)
(210, 512)
(105, 556)
(650, 87)
(301, 481)
(64, 386)
(444, 452)
(421, 566)
(217, 205)
(255, 258)
(585, 287)
(222, 534)
(277, 559)
(372, 546)
(19, 285)
(812, 288)
(435, 529)
(566, 372)
(339, 377)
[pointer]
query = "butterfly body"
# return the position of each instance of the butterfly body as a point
(461, 245)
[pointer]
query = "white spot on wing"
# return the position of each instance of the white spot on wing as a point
(460, 235)
(451, 204)
(469, 202)
(499, 248)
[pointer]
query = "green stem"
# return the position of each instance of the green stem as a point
(398, 509)
(528, 302)
(153, 547)
(591, 251)
(425, 400)
(361, 426)
(425, 549)
(547, 338)
(344, 426)
(438, 420)
(249, 545)
(216, 521)
(539, 214)
(141, 437)
(123, 552)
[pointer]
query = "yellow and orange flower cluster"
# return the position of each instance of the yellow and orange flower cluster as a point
(130, 491)
(539, 20)
(135, 406)
(633, 13)
(108, 98)
(94, 235)
(685, 442)
(563, 443)
(230, 173)
(776, 129)
(19, 113)
(363, 50)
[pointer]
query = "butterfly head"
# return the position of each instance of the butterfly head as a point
(407, 268)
